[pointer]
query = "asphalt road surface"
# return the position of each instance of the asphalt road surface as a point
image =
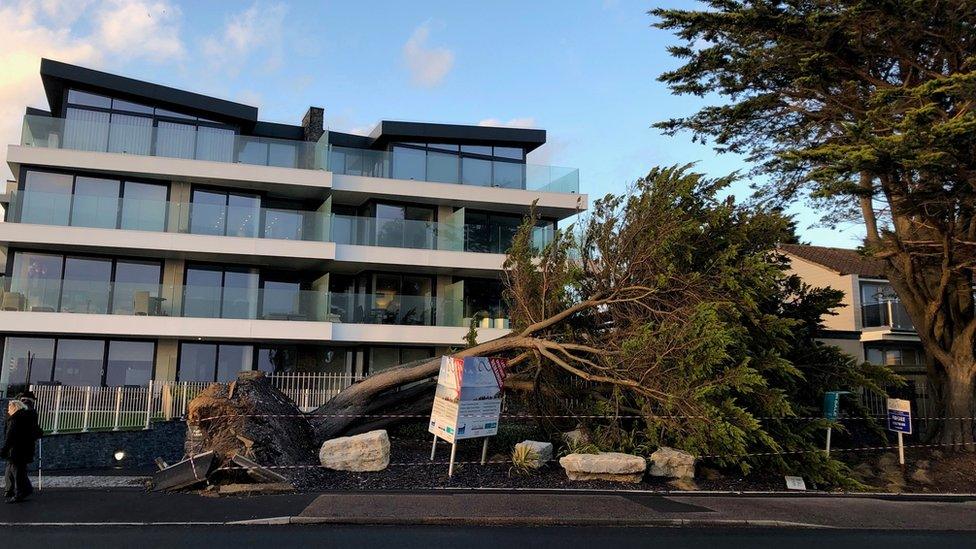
(428, 537)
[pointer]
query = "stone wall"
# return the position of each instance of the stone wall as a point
(97, 449)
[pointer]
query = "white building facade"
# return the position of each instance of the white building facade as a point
(156, 234)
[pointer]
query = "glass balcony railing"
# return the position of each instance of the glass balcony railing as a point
(110, 212)
(429, 235)
(888, 313)
(291, 304)
(446, 168)
(147, 299)
(170, 140)
(224, 145)
(405, 310)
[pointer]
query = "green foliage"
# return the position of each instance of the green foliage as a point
(723, 350)
(523, 461)
(579, 446)
(866, 108)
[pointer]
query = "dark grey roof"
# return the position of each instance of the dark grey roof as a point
(390, 131)
(57, 76)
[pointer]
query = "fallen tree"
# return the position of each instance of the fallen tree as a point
(669, 307)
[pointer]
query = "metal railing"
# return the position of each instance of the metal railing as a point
(69, 409)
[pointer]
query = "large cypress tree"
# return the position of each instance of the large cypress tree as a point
(865, 106)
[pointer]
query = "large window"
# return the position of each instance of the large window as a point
(482, 165)
(83, 201)
(402, 226)
(98, 123)
(84, 284)
(26, 360)
(880, 307)
(493, 233)
(224, 213)
(74, 361)
(217, 291)
(383, 358)
(214, 361)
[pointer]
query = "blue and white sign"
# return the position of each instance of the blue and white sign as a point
(900, 416)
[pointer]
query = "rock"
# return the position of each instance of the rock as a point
(575, 436)
(366, 452)
(668, 462)
(542, 450)
(604, 466)
(863, 471)
(252, 489)
(708, 473)
(684, 484)
(886, 460)
(922, 476)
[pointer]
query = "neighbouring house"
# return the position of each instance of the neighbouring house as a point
(872, 325)
(152, 233)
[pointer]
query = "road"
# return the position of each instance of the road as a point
(405, 537)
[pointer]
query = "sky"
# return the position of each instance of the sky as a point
(585, 71)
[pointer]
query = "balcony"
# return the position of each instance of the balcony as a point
(213, 302)
(140, 299)
(429, 235)
(446, 168)
(110, 212)
(886, 314)
(203, 143)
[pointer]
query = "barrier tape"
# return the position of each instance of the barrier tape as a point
(710, 456)
(566, 416)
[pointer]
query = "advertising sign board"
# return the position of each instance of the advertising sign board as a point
(468, 400)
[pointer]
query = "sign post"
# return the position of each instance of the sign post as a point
(467, 403)
(900, 421)
(832, 410)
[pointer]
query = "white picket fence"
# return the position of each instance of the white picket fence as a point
(64, 408)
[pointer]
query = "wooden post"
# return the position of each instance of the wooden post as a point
(828, 440)
(484, 452)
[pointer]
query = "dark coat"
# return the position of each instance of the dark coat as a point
(22, 433)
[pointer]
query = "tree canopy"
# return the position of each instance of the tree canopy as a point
(866, 107)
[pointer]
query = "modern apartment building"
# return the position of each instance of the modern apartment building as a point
(872, 325)
(152, 233)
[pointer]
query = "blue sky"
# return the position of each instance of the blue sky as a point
(585, 71)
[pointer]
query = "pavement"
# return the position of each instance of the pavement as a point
(131, 507)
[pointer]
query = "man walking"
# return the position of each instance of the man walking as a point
(18, 450)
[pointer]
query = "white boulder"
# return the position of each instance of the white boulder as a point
(671, 463)
(542, 451)
(366, 452)
(604, 466)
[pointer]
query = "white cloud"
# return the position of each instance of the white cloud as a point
(140, 29)
(428, 66)
(524, 122)
(117, 31)
(255, 33)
